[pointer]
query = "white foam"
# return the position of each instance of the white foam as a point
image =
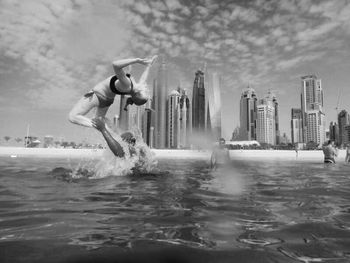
(142, 161)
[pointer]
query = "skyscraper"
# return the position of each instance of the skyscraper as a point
(123, 121)
(160, 88)
(198, 103)
(334, 132)
(147, 118)
(347, 135)
(265, 124)
(312, 110)
(132, 118)
(315, 131)
(214, 105)
(272, 97)
(248, 111)
(296, 126)
(173, 120)
(185, 119)
(343, 121)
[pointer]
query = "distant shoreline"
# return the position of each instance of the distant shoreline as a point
(18, 152)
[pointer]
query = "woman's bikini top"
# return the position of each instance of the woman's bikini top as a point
(114, 89)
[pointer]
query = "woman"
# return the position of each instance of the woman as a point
(102, 95)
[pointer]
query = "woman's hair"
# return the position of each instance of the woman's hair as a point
(139, 96)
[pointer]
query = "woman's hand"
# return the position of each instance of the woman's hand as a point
(99, 124)
(148, 61)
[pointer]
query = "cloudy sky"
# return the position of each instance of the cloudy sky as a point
(51, 52)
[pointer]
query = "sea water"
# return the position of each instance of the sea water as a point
(271, 211)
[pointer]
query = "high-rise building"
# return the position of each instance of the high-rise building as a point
(315, 131)
(198, 103)
(160, 88)
(312, 101)
(343, 121)
(132, 118)
(147, 118)
(273, 98)
(235, 134)
(346, 138)
(214, 105)
(296, 126)
(123, 121)
(334, 132)
(185, 119)
(173, 120)
(265, 123)
(248, 115)
(284, 139)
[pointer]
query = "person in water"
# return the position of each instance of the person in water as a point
(330, 152)
(102, 95)
(113, 144)
(220, 155)
(347, 157)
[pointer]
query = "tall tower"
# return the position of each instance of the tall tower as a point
(248, 110)
(343, 121)
(277, 125)
(173, 126)
(296, 126)
(159, 98)
(272, 97)
(123, 115)
(185, 119)
(198, 102)
(334, 132)
(265, 124)
(214, 105)
(147, 118)
(312, 110)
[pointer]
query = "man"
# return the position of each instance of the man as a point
(330, 152)
(347, 157)
(220, 155)
(114, 145)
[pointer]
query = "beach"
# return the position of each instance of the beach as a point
(290, 155)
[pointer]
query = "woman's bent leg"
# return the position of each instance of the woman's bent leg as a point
(83, 106)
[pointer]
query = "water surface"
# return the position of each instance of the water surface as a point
(251, 212)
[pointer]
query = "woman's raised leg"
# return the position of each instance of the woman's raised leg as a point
(83, 106)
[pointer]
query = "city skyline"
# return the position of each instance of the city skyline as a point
(51, 53)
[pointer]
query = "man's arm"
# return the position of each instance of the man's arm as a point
(115, 147)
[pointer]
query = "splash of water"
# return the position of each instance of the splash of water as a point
(142, 161)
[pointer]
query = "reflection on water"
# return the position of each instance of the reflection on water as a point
(286, 212)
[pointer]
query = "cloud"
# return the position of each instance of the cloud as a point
(60, 43)
(286, 64)
(71, 47)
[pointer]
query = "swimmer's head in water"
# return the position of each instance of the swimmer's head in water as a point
(128, 137)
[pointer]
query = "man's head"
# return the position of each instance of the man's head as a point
(128, 137)
(330, 142)
(222, 141)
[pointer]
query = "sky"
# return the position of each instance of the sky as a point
(52, 52)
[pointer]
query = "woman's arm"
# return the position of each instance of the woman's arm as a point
(115, 147)
(122, 63)
(144, 76)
